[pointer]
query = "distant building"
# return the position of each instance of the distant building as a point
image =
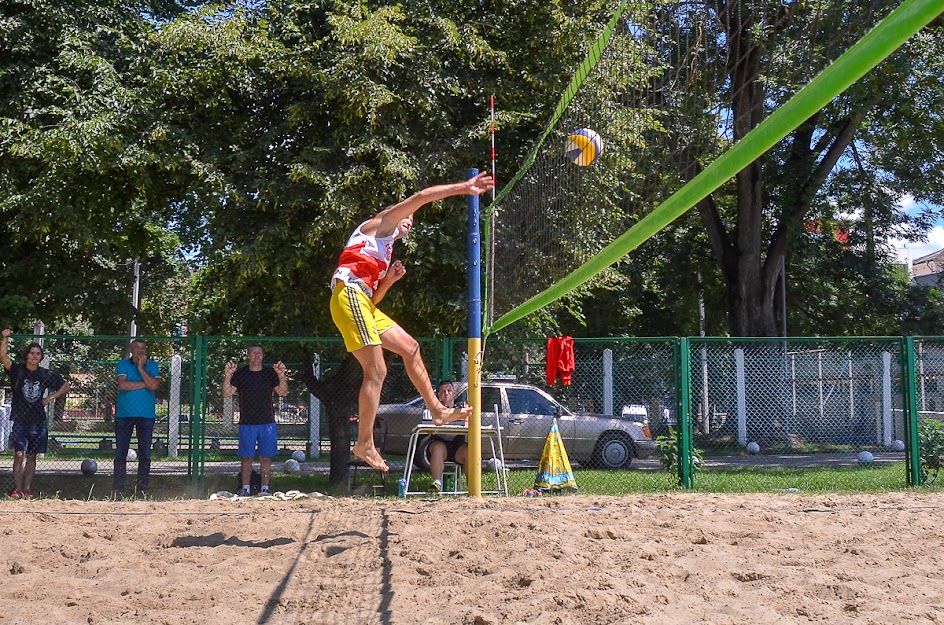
(928, 270)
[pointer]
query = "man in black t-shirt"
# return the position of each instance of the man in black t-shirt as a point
(257, 431)
(29, 383)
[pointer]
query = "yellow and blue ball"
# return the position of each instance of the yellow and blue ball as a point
(584, 146)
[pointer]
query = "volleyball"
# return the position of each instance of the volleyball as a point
(298, 455)
(898, 445)
(292, 466)
(584, 146)
(865, 458)
(132, 455)
(89, 467)
(753, 448)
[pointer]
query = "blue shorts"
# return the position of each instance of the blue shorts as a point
(29, 437)
(266, 437)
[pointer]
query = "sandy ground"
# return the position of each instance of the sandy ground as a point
(680, 558)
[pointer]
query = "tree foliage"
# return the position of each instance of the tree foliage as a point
(798, 180)
(233, 148)
(85, 184)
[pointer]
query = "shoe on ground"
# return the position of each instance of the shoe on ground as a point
(16, 495)
(27, 494)
(435, 487)
(243, 492)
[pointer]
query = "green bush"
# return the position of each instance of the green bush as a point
(667, 449)
(930, 448)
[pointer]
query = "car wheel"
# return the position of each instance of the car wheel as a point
(421, 457)
(613, 451)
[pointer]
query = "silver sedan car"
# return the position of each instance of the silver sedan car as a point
(525, 414)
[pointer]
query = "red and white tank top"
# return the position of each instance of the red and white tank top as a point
(364, 261)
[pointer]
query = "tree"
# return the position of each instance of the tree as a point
(888, 119)
(85, 186)
(312, 117)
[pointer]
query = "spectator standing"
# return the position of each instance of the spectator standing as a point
(29, 434)
(137, 377)
(257, 429)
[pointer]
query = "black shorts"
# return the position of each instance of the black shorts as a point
(30, 437)
(452, 445)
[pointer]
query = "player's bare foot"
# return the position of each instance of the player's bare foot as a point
(445, 415)
(370, 455)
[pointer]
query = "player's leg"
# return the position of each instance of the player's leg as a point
(399, 341)
(354, 315)
(375, 370)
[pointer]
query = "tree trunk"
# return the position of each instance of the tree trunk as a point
(749, 283)
(751, 302)
(339, 395)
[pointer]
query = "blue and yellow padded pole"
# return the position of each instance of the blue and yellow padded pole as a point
(473, 465)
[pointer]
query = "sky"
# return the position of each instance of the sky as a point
(913, 250)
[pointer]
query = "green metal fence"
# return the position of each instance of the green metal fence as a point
(732, 414)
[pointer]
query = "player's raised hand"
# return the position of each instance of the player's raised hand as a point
(481, 183)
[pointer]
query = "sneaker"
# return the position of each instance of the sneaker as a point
(27, 494)
(435, 487)
(16, 495)
(243, 492)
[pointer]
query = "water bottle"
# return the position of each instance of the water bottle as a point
(401, 487)
(449, 483)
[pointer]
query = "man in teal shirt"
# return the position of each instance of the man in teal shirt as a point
(137, 378)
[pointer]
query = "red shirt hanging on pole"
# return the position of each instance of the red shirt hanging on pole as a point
(560, 359)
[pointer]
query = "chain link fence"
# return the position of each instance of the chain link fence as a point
(637, 415)
(928, 398)
(81, 425)
(762, 409)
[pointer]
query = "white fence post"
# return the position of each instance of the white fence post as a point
(314, 413)
(887, 427)
(173, 408)
(741, 396)
(608, 382)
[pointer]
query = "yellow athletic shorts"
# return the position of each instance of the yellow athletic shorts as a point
(360, 322)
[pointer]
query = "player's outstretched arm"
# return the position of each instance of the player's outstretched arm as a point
(385, 222)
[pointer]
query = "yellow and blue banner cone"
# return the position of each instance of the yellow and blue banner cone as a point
(554, 472)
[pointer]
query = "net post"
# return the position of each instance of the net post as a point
(473, 466)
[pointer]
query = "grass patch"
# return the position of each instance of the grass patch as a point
(853, 479)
